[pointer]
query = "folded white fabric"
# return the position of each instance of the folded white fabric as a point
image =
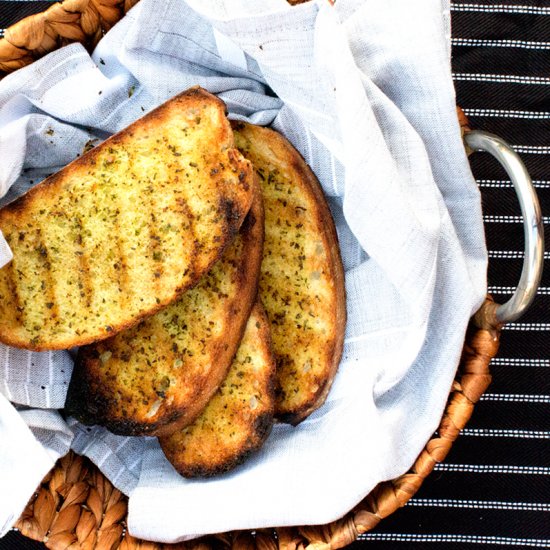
(25, 456)
(363, 89)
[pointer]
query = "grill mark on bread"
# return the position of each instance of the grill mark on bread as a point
(187, 226)
(77, 247)
(9, 290)
(155, 253)
(103, 253)
(120, 272)
(156, 267)
(85, 287)
(48, 285)
(30, 282)
(61, 235)
(124, 284)
(134, 223)
(171, 219)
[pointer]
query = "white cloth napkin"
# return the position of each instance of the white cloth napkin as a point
(363, 89)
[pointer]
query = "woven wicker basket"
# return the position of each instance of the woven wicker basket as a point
(77, 507)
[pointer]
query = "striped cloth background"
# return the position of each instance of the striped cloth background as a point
(493, 491)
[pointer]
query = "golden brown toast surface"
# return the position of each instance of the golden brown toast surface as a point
(238, 418)
(302, 279)
(160, 374)
(121, 231)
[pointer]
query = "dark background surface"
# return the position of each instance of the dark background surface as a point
(493, 491)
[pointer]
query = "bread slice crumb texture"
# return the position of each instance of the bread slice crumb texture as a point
(238, 418)
(159, 375)
(302, 279)
(121, 231)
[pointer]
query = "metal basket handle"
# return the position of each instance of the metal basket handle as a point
(532, 222)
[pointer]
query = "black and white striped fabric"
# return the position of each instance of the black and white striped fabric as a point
(493, 490)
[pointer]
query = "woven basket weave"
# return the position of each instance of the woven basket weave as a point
(76, 507)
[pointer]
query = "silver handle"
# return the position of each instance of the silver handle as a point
(532, 222)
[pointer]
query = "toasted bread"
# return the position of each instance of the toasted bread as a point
(159, 375)
(122, 231)
(238, 418)
(302, 278)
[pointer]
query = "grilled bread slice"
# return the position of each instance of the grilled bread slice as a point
(160, 374)
(238, 418)
(121, 231)
(302, 278)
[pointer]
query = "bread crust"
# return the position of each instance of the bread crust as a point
(238, 418)
(50, 294)
(159, 376)
(293, 195)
